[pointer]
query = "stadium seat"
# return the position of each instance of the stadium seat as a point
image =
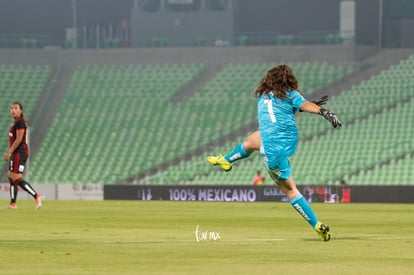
(24, 83)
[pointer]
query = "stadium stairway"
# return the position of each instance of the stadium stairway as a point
(372, 65)
(395, 171)
(47, 109)
(196, 84)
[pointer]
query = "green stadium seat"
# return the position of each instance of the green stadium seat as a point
(24, 83)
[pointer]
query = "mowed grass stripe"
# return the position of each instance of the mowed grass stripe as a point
(159, 237)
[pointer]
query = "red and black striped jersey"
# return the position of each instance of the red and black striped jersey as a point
(18, 124)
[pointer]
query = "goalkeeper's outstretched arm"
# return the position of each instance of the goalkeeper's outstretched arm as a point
(311, 107)
(320, 101)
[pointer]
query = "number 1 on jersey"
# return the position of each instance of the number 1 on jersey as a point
(268, 102)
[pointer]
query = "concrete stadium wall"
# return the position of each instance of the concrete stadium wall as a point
(216, 55)
(28, 57)
(337, 54)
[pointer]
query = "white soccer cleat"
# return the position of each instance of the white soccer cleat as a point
(38, 200)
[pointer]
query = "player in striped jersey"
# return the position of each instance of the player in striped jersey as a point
(17, 156)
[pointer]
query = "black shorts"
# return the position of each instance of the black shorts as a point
(17, 162)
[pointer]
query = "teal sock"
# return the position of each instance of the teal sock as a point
(237, 153)
(304, 209)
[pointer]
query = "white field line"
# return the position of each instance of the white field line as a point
(253, 240)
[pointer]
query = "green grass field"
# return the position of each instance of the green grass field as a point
(158, 237)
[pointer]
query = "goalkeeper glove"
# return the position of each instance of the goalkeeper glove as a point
(332, 118)
(321, 101)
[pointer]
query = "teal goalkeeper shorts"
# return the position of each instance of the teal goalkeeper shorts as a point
(277, 165)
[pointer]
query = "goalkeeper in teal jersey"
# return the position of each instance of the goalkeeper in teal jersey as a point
(250, 144)
(278, 130)
(278, 99)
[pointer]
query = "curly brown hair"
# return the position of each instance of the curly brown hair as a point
(279, 80)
